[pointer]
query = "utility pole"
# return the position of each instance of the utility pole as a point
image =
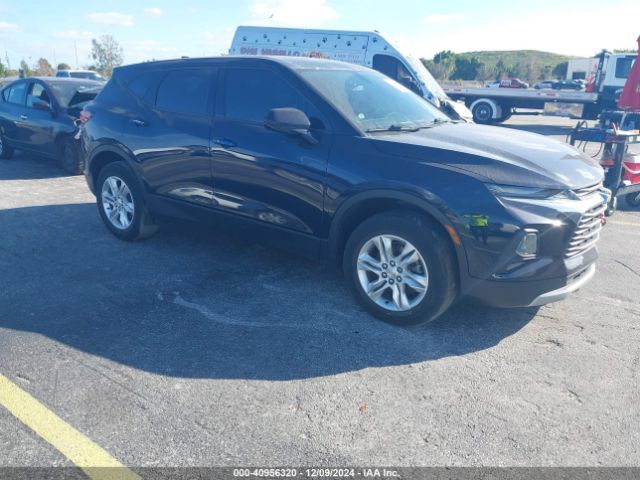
(75, 45)
(55, 60)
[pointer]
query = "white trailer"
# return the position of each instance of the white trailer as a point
(369, 49)
(494, 105)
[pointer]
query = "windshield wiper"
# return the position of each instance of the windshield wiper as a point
(393, 128)
(409, 128)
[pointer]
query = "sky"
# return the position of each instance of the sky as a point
(161, 29)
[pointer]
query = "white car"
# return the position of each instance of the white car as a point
(85, 74)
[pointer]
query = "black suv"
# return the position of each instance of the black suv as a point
(338, 161)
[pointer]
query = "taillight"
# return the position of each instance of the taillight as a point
(85, 116)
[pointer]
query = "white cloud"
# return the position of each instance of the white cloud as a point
(292, 12)
(439, 19)
(6, 27)
(73, 34)
(153, 11)
(146, 50)
(111, 18)
(487, 32)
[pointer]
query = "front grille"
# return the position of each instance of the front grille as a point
(588, 231)
(586, 191)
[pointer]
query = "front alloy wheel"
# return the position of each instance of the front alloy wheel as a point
(117, 202)
(392, 273)
(401, 267)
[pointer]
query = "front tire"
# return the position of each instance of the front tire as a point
(121, 203)
(6, 151)
(400, 267)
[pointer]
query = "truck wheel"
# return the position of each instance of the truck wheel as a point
(483, 113)
(5, 150)
(633, 199)
(400, 267)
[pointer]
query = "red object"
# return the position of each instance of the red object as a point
(631, 167)
(630, 97)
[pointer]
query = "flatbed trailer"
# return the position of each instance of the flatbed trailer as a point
(495, 105)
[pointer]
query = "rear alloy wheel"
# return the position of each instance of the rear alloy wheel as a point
(5, 150)
(70, 158)
(121, 204)
(401, 268)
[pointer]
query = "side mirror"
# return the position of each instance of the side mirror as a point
(290, 121)
(41, 105)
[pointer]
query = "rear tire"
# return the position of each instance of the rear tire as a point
(483, 113)
(404, 288)
(121, 203)
(70, 157)
(6, 151)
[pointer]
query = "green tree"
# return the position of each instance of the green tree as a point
(107, 53)
(43, 68)
(466, 68)
(560, 70)
(3, 69)
(25, 70)
(64, 66)
(501, 69)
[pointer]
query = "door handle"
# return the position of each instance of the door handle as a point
(23, 117)
(224, 142)
(139, 123)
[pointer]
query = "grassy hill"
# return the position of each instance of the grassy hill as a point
(529, 65)
(512, 57)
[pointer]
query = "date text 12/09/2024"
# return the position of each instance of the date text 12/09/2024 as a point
(315, 473)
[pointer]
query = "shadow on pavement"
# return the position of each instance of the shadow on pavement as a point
(194, 303)
(28, 166)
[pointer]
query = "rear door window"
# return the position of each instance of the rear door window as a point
(185, 91)
(15, 93)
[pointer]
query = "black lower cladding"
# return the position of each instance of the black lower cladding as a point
(523, 292)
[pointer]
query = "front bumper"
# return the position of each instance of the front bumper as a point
(535, 291)
(565, 261)
(563, 292)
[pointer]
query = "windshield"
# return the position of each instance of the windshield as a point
(425, 77)
(373, 101)
(67, 93)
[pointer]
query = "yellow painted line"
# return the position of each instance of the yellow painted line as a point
(96, 462)
(615, 222)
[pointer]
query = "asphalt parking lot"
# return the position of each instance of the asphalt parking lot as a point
(197, 349)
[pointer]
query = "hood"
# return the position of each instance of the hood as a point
(496, 154)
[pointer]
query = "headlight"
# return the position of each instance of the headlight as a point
(510, 191)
